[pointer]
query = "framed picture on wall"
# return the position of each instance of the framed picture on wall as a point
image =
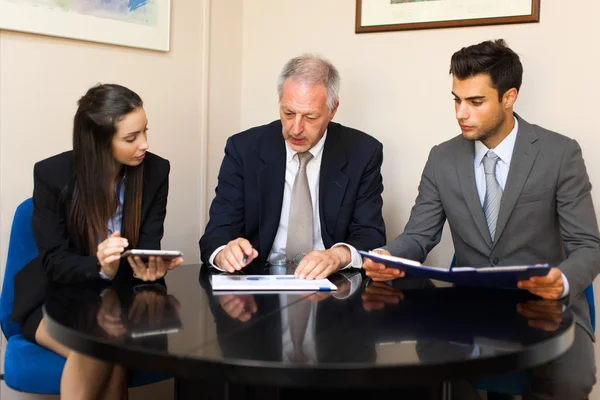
(134, 23)
(398, 15)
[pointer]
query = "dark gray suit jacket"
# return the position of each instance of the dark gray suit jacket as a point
(546, 214)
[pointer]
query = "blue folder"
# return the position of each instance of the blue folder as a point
(499, 276)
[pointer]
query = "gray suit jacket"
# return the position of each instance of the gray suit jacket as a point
(546, 214)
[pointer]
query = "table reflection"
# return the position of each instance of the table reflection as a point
(360, 320)
(133, 314)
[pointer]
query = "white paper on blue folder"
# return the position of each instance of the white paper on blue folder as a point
(270, 283)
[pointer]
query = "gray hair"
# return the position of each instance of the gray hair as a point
(311, 70)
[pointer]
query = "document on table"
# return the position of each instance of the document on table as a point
(270, 283)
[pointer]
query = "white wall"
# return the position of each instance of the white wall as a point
(395, 85)
(225, 70)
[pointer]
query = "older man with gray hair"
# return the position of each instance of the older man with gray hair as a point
(301, 189)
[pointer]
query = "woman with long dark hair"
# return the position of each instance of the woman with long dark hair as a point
(107, 195)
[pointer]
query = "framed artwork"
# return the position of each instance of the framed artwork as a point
(398, 15)
(134, 23)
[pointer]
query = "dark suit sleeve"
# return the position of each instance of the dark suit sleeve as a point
(578, 225)
(226, 221)
(152, 228)
(367, 228)
(424, 228)
(62, 262)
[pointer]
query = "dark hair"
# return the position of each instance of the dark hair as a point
(93, 198)
(490, 57)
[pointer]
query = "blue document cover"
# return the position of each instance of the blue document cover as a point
(503, 277)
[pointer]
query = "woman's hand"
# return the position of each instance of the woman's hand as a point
(109, 254)
(155, 269)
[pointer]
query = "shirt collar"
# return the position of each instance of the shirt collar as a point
(316, 150)
(504, 150)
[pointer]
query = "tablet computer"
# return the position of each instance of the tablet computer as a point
(166, 255)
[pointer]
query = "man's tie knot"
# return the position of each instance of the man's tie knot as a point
(304, 158)
(489, 162)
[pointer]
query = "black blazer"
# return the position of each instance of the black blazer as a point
(62, 258)
(249, 194)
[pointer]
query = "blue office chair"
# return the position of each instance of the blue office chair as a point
(589, 295)
(514, 383)
(28, 367)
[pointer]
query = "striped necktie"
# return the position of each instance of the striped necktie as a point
(493, 192)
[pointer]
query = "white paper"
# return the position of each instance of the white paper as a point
(269, 283)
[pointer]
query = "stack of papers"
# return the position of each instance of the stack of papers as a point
(270, 283)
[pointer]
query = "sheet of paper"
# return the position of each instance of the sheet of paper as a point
(269, 283)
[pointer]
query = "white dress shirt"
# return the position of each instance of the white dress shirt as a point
(504, 152)
(313, 171)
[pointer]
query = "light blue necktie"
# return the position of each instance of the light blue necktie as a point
(493, 192)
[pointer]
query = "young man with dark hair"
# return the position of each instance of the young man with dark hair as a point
(513, 193)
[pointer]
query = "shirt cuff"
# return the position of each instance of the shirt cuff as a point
(211, 260)
(356, 261)
(106, 278)
(565, 292)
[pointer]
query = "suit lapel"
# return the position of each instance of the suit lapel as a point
(466, 176)
(332, 182)
(271, 181)
(524, 155)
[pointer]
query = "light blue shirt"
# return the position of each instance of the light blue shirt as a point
(504, 152)
(116, 222)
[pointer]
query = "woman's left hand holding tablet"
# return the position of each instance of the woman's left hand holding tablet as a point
(155, 269)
